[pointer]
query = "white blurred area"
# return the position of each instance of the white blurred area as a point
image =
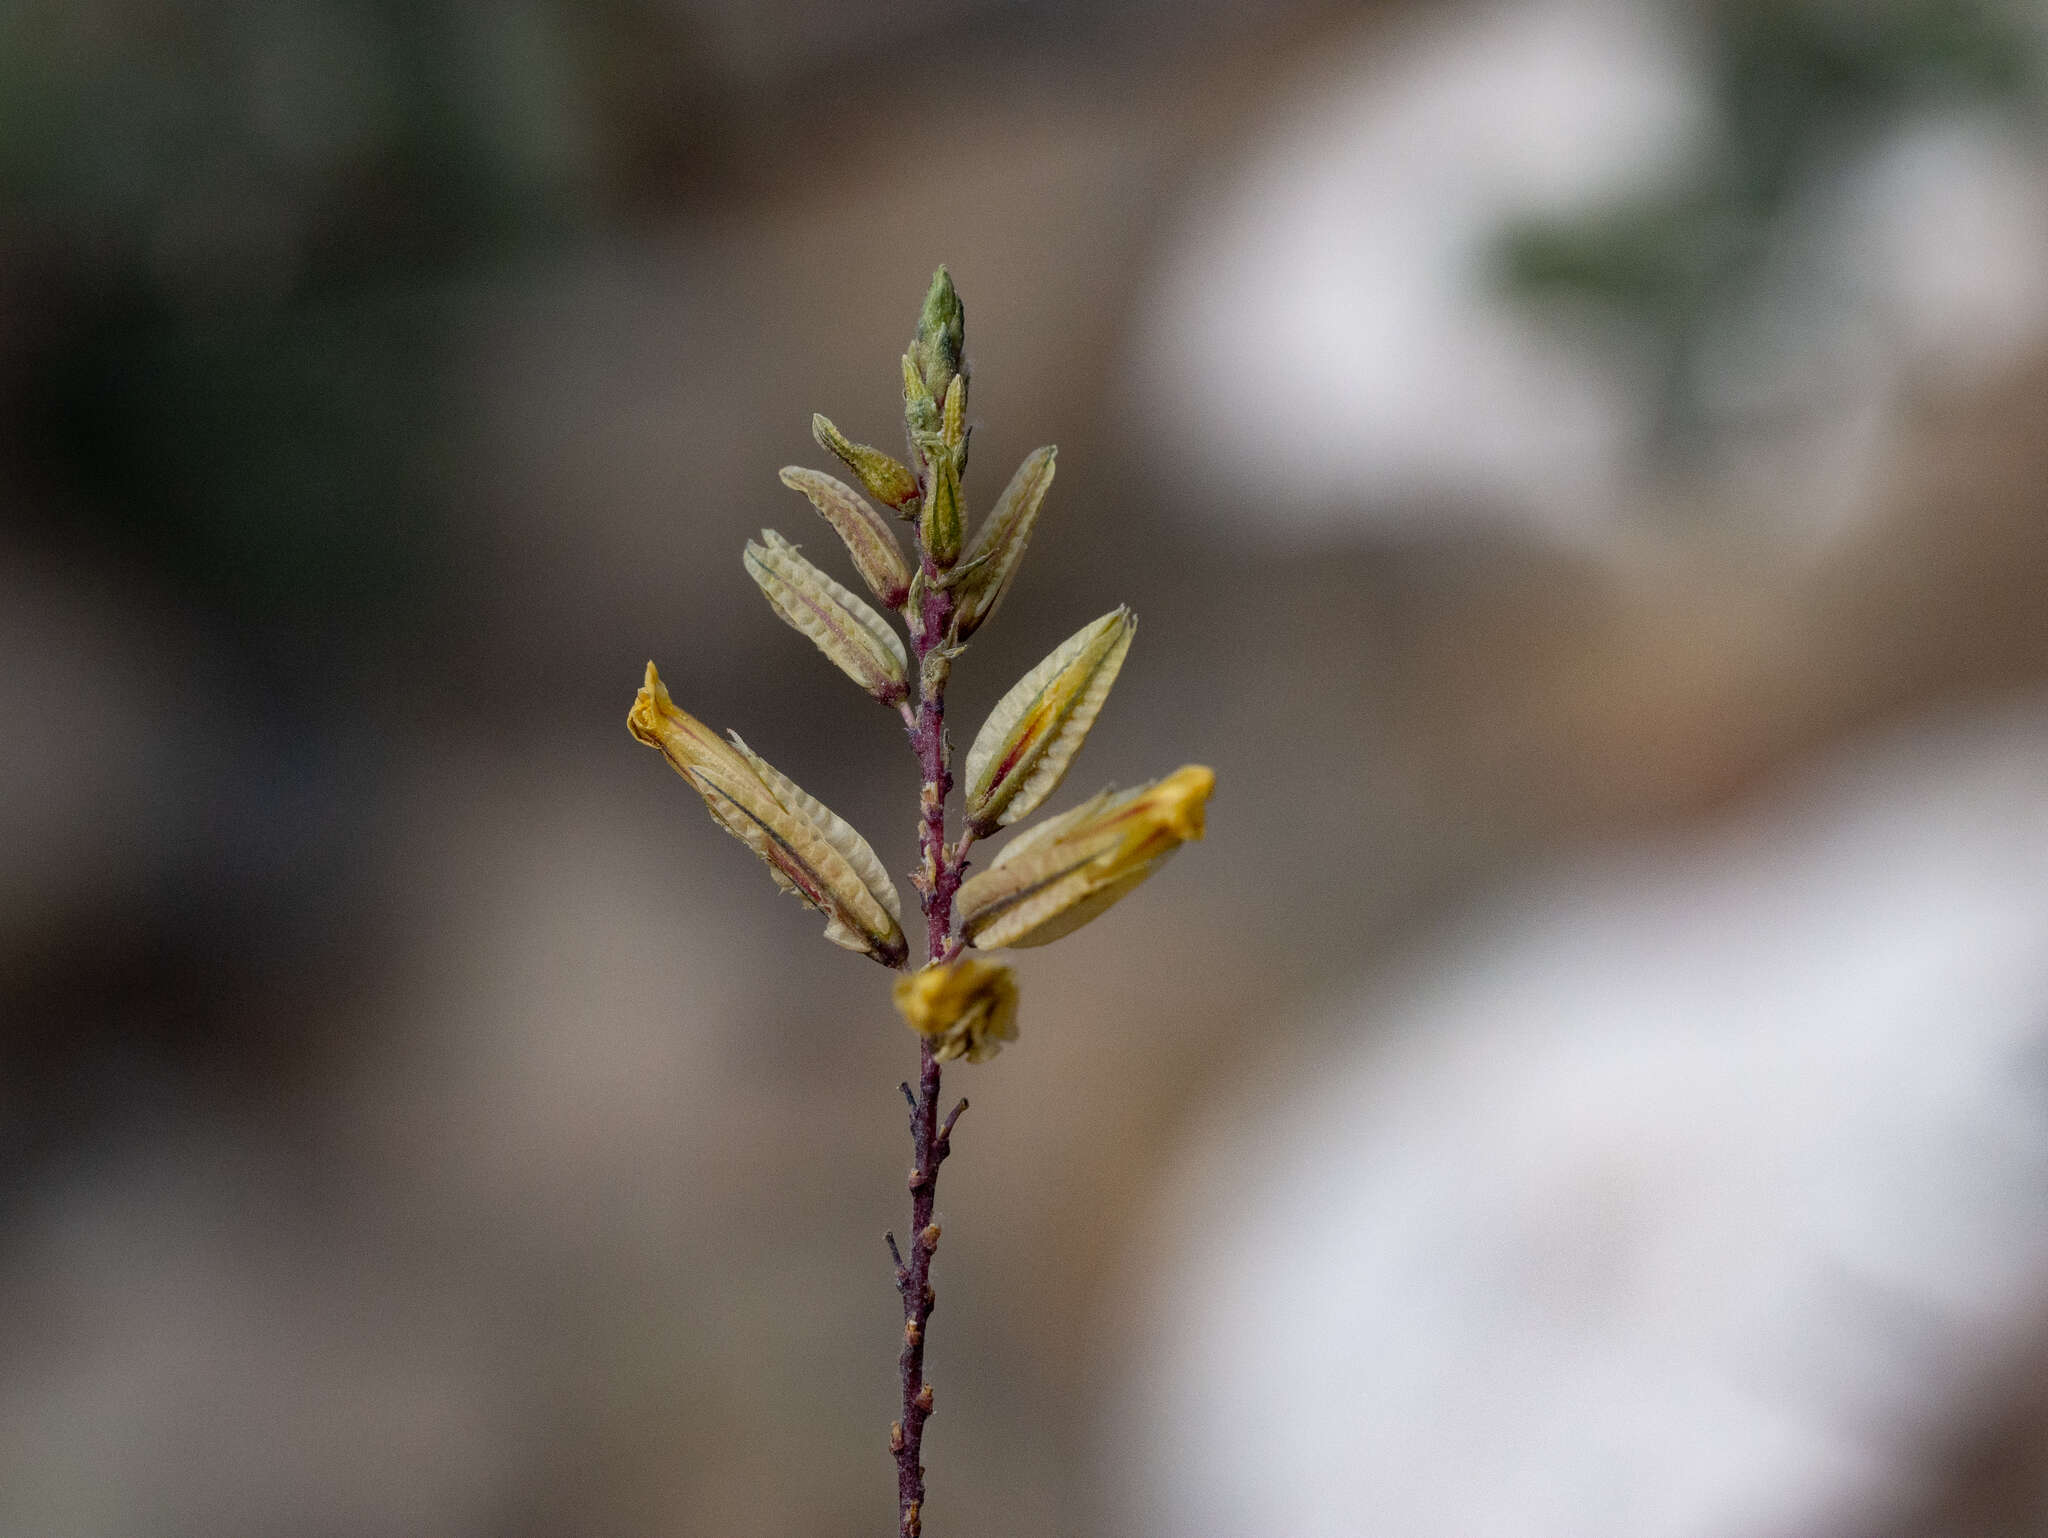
(1688, 1189)
(1696, 1187)
(1330, 340)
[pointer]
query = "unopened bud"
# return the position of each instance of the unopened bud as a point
(941, 524)
(941, 335)
(887, 481)
(953, 424)
(920, 411)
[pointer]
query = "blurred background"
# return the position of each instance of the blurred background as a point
(1583, 468)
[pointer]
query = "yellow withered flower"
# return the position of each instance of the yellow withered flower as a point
(967, 1007)
(1052, 879)
(808, 850)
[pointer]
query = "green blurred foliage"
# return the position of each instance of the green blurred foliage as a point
(1800, 89)
(238, 229)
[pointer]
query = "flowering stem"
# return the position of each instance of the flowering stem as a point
(938, 878)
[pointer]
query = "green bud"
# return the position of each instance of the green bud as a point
(941, 524)
(953, 423)
(920, 411)
(941, 334)
(886, 480)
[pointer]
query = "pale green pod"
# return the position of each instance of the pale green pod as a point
(1053, 878)
(807, 849)
(851, 634)
(869, 540)
(1029, 740)
(998, 547)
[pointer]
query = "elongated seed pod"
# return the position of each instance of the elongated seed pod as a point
(1028, 743)
(858, 641)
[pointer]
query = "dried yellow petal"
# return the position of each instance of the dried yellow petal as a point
(887, 480)
(968, 1007)
(999, 543)
(876, 555)
(1052, 879)
(856, 639)
(807, 849)
(1026, 746)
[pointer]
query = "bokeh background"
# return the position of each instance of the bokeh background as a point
(1583, 469)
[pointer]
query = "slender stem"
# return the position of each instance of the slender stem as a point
(938, 878)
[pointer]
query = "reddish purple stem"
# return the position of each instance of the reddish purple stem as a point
(938, 879)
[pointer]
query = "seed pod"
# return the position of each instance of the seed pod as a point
(889, 482)
(869, 540)
(998, 548)
(808, 850)
(1052, 879)
(941, 334)
(1026, 746)
(968, 1008)
(857, 639)
(941, 524)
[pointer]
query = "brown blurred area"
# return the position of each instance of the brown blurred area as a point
(416, 1117)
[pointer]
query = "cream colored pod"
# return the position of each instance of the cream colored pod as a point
(1028, 743)
(992, 559)
(840, 623)
(1052, 879)
(869, 540)
(808, 850)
